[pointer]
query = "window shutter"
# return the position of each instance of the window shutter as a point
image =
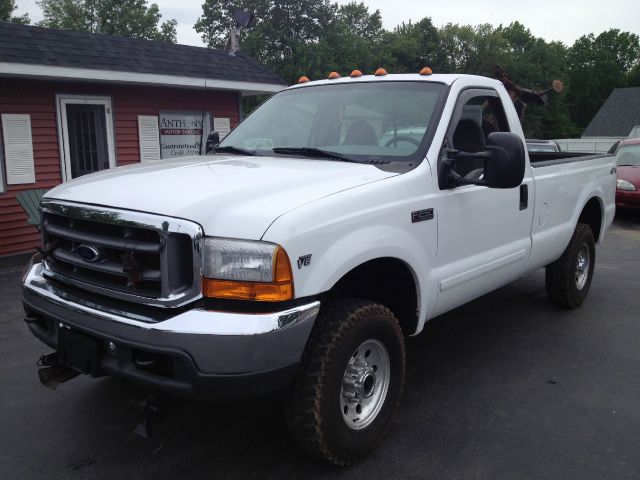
(18, 149)
(148, 135)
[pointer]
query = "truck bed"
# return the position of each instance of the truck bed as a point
(564, 183)
(544, 159)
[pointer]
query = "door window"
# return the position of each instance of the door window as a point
(87, 139)
(85, 126)
(477, 116)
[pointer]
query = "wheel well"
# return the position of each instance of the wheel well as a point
(592, 216)
(387, 281)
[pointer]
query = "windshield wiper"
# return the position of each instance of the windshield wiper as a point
(314, 152)
(232, 149)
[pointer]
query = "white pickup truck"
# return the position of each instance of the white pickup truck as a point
(333, 222)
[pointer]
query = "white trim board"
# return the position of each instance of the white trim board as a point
(115, 76)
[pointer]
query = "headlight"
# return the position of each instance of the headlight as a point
(624, 185)
(246, 270)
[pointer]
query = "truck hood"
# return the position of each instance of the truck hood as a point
(228, 195)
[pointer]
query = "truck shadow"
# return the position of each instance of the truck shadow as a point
(462, 359)
(492, 387)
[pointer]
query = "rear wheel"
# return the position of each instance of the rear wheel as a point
(344, 398)
(568, 279)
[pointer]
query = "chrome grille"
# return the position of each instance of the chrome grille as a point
(138, 257)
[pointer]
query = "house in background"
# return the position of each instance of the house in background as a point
(618, 118)
(73, 103)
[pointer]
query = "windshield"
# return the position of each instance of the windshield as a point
(628, 155)
(360, 121)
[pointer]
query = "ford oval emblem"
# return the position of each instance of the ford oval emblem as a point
(89, 253)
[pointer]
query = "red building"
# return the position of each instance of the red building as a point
(73, 103)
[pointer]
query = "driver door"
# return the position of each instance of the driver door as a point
(484, 234)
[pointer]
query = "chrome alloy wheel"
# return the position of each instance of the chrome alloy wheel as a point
(365, 384)
(582, 266)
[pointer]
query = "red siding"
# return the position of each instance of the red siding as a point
(37, 98)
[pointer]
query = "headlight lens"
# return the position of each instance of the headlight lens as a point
(238, 260)
(624, 185)
(246, 270)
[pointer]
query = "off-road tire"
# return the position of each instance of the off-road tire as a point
(560, 277)
(314, 414)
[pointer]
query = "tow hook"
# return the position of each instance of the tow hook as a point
(53, 373)
(153, 410)
(148, 407)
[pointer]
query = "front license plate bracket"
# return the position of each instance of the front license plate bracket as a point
(80, 351)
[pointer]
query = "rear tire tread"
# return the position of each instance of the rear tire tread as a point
(560, 275)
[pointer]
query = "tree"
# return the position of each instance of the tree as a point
(597, 65)
(124, 18)
(314, 37)
(217, 18)
(471, 49)
(289, 35)
(7, 7)
(357, 19)
(351, 40)
(411, 46)
(534, 63)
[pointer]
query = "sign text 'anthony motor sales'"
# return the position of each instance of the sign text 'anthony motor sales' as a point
(186, 126)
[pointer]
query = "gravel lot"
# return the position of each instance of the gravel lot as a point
(506, 387)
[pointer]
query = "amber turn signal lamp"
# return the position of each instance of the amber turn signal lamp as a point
(381, 72)
(426, 71)
(333, 75)
(356, 73)
(280, 289)
(303, 79)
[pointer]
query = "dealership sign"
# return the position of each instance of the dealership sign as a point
(181, 133)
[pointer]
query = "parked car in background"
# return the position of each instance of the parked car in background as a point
(543, 146)
(628, 165)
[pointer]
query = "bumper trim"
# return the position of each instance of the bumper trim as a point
(194, 353)
(186, 381)
(196, 321)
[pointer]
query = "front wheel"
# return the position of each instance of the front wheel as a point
(568, 279)
(344, 398)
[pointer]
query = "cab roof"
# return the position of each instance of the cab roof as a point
(447, 79)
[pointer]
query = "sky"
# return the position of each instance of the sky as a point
(563, 20)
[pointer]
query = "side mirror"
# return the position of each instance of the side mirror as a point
(504, 163)
(212, 140)
(505, 166)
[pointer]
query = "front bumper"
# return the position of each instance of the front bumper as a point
(194, 353)
(626, 199)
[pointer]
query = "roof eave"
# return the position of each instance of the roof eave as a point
(48, 72)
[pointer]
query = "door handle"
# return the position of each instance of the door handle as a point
(524, 196)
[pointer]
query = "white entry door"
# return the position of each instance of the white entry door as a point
(85, 127)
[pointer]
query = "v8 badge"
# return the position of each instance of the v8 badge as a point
(304, 261)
